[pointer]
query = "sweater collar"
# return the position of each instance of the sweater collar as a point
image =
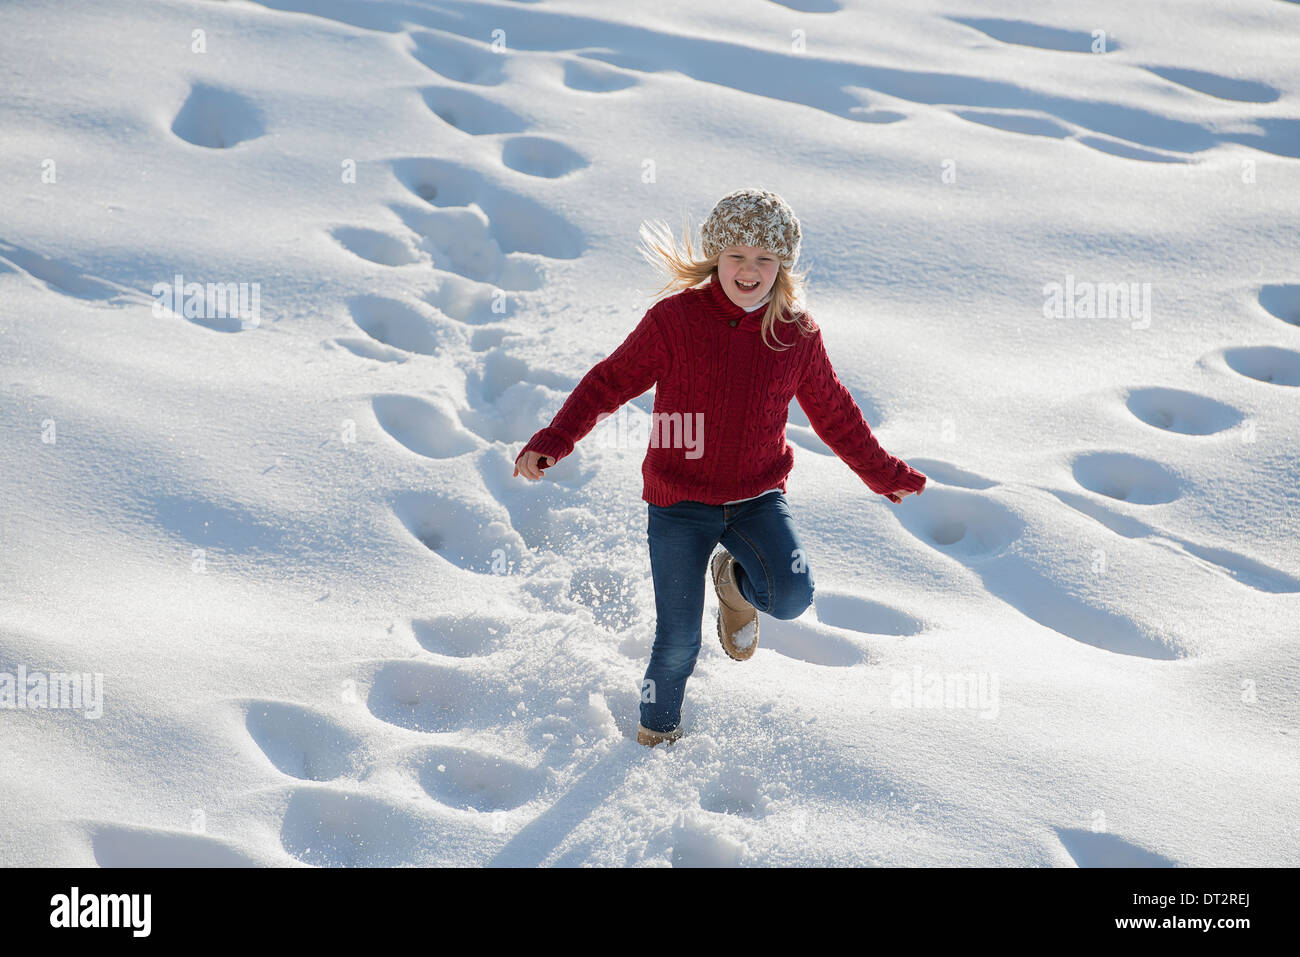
(719, 306)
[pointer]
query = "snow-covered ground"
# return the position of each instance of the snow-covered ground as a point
(333, 629)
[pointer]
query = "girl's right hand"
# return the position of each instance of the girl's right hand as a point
(528, 465)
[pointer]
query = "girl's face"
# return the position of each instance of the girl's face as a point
(741, 266)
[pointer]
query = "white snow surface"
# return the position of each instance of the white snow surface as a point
(333, 629)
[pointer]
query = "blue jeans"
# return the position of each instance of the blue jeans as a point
(772, 574)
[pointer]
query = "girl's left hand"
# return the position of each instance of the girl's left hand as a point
(901, 494)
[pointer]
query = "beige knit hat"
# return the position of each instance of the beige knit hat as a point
(753, 217)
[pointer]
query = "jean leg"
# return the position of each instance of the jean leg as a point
(681, 539)
(772, 571)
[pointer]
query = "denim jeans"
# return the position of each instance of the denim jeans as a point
(771, 571)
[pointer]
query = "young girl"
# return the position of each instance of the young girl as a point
(727, 357)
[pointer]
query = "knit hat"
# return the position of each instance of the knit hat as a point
(753, 217)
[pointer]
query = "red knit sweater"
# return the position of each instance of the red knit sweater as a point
(717, 431)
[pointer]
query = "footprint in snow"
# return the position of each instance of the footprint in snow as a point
(510, 400)
(368, 349)
(397, 324)
(427, 697)
(471, 113)
(217, 118)
(120, 845)
(1127, 477)
(980, 532)
(1282, 301)
(736, 793)
(473, 780)
(855, 613)
(589, 77)
(541, 156)
(458, 58)
(501, 371)
(300, 741)
(470, 302)
(428, 428)
(960, 523)
(461, 636)
(698, 843)
(330, 827)
(485, 340)
(514, 222)
(376, 247)
(67, 280)
(1271, 364)
(802, 641)
(469, 535)
(1241, 568)
(1186, 413)
(1101, 849)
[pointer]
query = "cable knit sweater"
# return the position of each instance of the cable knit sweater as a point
(717, 432)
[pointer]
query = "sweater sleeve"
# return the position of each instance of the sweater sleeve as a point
(623, 375)
(836, 418)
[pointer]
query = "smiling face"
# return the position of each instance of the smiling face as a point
(739, 266)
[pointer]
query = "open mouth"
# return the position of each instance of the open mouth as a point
(747, 288)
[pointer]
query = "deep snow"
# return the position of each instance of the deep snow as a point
(333, 629)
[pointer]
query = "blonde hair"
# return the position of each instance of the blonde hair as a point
(685, 270)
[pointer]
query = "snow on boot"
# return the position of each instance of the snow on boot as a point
(737, 618)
